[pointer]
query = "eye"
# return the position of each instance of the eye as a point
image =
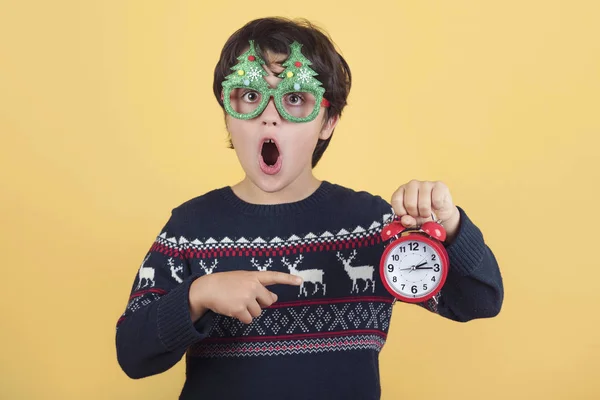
(294, 99)
(251, 96)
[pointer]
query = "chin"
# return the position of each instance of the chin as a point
(277, 182)
(270, 183)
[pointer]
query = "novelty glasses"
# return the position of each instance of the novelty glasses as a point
(298, 97)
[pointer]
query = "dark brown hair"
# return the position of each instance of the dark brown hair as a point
(275, 35)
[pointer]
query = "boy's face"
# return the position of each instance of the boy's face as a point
(273, 151)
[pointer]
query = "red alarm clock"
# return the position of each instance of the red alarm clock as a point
(415, 264)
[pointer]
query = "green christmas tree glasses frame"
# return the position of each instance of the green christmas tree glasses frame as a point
(298, 97)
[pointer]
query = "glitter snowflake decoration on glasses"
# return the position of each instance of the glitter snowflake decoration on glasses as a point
(254, 74)
(304, 76)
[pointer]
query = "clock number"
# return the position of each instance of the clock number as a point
(436, 267)
(433, 279)
(403, 249)
(391, 268)
(395, 257)
(403, 286)
(425, 287)
(414, 246)
(413, 289)
(433, 257)
(424, 249)
(395, 279)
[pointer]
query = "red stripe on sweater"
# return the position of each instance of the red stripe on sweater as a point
(161, 248)
(259, 350)
(274, 251)
(330, 301)
(296, 336)
(143, 292)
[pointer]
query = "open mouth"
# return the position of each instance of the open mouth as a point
(270, 152)
(270, 158)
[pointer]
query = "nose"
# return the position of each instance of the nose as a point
(270, 115)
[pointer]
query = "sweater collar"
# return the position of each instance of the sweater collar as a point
(317, 198)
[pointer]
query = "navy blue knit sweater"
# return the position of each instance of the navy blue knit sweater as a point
(320, 340)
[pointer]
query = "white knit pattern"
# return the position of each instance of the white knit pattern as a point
(289, 347)
(298, 320)
(358, 232)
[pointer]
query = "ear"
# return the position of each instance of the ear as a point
(222, 97)
(328, 127)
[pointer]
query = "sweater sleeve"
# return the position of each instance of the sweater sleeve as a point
(156, 328)
(473, 287)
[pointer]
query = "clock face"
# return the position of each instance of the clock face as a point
(413, 268)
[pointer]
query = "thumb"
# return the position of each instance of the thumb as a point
(408, 221)
(412, 222)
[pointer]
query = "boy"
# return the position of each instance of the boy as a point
(271, 286)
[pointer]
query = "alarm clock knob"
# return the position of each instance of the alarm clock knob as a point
(392, 229)
(434, 230)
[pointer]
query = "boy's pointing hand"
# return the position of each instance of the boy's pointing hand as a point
(414, 202)
(237, 294)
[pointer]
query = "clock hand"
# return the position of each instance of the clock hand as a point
(419, 269)
(413, 267)
(419, 266)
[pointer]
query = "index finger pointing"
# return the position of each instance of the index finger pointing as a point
(273, 277)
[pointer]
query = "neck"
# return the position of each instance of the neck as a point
(299, 189)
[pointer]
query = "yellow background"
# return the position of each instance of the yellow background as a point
(108, 121)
